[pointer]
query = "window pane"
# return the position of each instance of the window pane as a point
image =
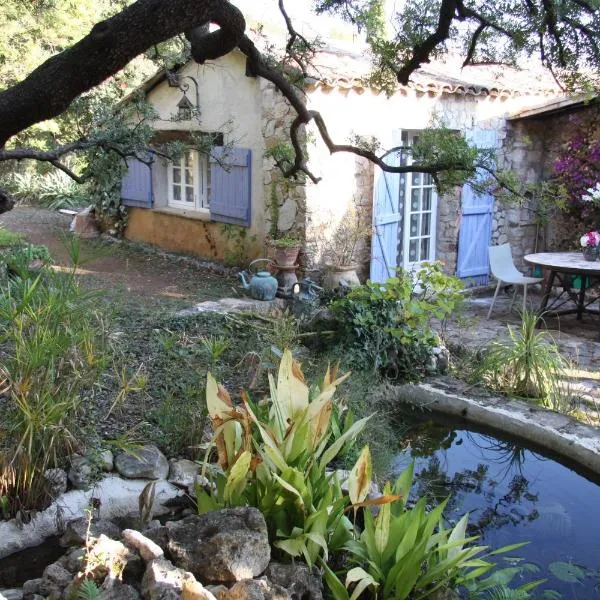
(189, 177)
(176, 175)
(414, 225)
(188, 159)
(412, 251)
(427, 179)
(189, 194)
(424, 249)
(414, 200)
(425, 223)
(427, 199)
(206, 168)
(176, 193)
(417, 178)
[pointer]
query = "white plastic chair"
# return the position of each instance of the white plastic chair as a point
(504, 270)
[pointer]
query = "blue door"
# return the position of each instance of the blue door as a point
(476, 221)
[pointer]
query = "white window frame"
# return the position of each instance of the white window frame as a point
(200, 169)
(416, 181)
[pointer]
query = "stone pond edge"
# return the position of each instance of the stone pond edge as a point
(561, 435)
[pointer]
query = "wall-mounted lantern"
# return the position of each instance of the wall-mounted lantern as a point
(185, 107)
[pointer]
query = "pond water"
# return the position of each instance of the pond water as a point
(513, 494)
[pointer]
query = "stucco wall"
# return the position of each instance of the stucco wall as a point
(230, 103)
(367, 113)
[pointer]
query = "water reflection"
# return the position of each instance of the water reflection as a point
(513, 495)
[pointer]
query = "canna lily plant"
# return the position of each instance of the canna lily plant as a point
(408, 552)
(277, 457)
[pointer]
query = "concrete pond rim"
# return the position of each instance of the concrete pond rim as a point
(556, 436)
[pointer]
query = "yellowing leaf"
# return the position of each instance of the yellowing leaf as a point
(292, 392)
(236, 482)
(216, 398)
(359, 480)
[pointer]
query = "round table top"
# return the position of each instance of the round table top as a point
(565, 262)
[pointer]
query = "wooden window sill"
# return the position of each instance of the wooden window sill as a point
(199, 215)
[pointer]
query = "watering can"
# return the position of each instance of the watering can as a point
(261, 285)
(307, 298)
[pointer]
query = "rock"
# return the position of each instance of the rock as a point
(84, 224)
(77, 531)
(220, 546)
(114, 589)
(106, 461)
(163, 581)
(255, 589)
(56, 482)
(74, 561)
(80, 473)
(114, 559)
(14, 594)
(54, 580)
(145, 546)
(31, 587)
(203, 482)
(298, 579)
(147, 462)
(194, 590)
(183, 472)
(115, 496)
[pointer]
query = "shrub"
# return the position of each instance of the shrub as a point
(388, 326)
(528, 364)
(52, 345)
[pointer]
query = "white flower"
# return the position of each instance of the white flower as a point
(583, 241)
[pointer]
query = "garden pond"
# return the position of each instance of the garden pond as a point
(513, 494)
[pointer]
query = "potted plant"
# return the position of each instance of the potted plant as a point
(589, 245)
(340, 251)
(286, 249)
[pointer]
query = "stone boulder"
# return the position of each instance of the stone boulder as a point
(255, 589)
(183, 472)
(55, 482)
(147, 462)
(54, 580)
(300, 580)
(222, 546)
(146, 547)
(163, 581)
(80, 473)
(77, 531)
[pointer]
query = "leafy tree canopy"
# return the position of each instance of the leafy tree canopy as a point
(53, 66)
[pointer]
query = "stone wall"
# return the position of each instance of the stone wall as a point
(532, 147)
(277, 116)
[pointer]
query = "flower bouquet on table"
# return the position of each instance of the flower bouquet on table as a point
(589, 245)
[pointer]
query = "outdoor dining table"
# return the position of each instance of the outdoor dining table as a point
(564, 266)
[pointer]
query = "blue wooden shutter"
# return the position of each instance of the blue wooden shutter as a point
(231, 185)
(136, 185)
(386, 222)
(476, 220)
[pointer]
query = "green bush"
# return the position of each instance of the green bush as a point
(52, 344)
(388, 326)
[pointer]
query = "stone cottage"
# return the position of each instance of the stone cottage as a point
(201, 204)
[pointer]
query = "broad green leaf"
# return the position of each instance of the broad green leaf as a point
(567, 572)
(236, 482)
(336, 587)
(330, 453)
(204, 502)
(289, 488)
(410, 537)
(293, 546)
(458, 533)
(382, 528)
(359, 480)
(362, 579)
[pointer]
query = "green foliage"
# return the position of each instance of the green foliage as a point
(53, 346)
(408, 552)
(275, 457)
(88, 590)
(286, 241)
(236, 251)
(215, 346)
(54, 189)
(528, 364)
(388, 326)
(10, 238)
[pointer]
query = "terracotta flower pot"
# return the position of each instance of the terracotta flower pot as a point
(287, 256)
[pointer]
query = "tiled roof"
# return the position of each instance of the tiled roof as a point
(341, 68)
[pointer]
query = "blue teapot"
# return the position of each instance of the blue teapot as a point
(262, 285)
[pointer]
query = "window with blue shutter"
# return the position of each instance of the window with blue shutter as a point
(230, 185)
(136, 185)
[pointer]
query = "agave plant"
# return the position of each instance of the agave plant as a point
(277, 457)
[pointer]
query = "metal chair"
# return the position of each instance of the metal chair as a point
(504, 270)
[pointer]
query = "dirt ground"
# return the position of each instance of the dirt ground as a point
(114, 266)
